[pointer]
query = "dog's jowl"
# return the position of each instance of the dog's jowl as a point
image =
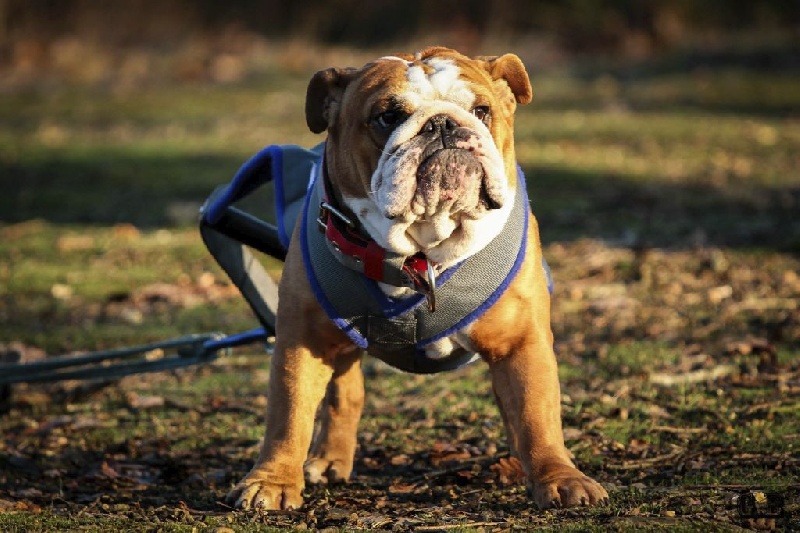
(416, 244)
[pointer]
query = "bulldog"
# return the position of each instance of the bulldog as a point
(418, 207)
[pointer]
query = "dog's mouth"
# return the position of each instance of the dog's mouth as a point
(445, 195)
(453, 180)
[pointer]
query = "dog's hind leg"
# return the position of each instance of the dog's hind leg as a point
(331, 457)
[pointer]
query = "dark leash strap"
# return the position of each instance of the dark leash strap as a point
(229, 232)
(120, 362)
(228, 240)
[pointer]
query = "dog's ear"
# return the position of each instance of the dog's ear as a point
(510, 68)
(325, 92)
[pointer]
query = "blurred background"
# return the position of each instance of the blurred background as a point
(655, 125)
(637, 103)
(99, 41)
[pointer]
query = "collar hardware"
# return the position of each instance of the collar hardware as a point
(326, 209)
(366, 256)
(422, 274)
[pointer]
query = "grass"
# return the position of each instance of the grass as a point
(667, 201)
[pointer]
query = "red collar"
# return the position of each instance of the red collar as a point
(356, 250)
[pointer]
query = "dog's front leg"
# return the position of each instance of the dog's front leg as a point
(308, 349)
(297, 384)
(514, 337)
(526, 387)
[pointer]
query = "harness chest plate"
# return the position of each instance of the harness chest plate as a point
(398, 331)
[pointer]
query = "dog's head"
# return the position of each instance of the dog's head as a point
(420, 147)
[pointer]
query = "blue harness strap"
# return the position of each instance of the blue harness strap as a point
(291, 168)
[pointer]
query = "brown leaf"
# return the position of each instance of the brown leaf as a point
(465, 475)
(108, 471)
(401, 488)
(508, 471)
(7, 504)
(638, 445)
(444, 451)
(400, 460)
(656, 411)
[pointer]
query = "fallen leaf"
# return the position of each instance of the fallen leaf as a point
(135, 401)
(107, 471)
(400, 459)
(444, 451)
(401, 488)
(508, 471)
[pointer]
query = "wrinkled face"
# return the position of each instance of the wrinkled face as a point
(421, 148)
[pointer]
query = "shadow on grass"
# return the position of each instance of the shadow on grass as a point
(571, 205)
(144, 191)
(163, 191)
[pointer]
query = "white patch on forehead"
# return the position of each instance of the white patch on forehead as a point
(394, 58)
(443, 83)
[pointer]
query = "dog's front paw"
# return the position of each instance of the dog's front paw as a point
(324, 470)
(263, 491)
(566, 486)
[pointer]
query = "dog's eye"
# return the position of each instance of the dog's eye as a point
(388, 119)
(481, 112)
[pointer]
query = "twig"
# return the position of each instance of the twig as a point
(647, 462)
(761, 304)
(445, 527)
(660, 378)
(457, 468)
(670, 429)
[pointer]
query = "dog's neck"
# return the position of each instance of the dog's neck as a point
(398, 275)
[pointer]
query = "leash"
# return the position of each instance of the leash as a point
(152, 357)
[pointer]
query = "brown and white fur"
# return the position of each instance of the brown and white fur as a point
(420, 150)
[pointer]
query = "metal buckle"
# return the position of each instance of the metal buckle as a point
(425, 284)
(326, 209)
(430, 295)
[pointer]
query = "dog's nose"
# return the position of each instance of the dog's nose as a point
(442, 123)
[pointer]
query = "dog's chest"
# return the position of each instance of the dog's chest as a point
(405, 332)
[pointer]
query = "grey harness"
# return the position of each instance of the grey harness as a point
(397, 331)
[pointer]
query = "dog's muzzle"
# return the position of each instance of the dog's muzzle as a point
(450, 174)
